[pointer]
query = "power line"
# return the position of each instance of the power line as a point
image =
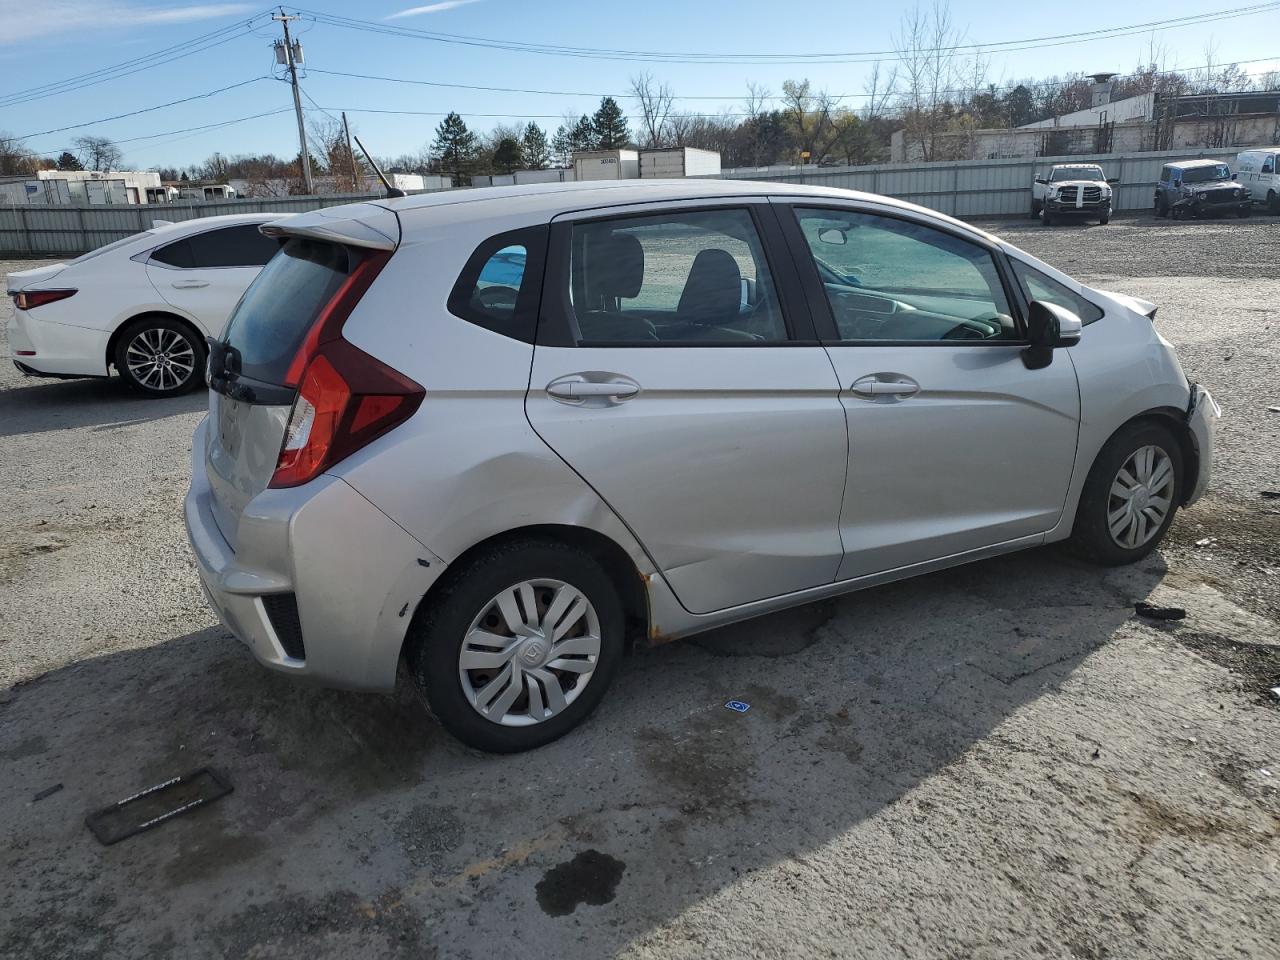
(1002, 46)
(134, 113)
(129, 67)
(1040, 84)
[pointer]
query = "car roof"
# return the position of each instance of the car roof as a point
(552, 199)
(1191, 164)
(201, 224)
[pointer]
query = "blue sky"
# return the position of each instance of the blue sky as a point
(43, 41)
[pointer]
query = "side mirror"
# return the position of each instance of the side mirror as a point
(1113, 180)
(1234, 175)
(832, 235)
(1041, 180)
(1049, 326)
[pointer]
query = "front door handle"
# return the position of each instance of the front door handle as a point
(884, 385)
(189, 284)
(577, 388)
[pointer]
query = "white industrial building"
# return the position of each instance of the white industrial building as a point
(83, 187)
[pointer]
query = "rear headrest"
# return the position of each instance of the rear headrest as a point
(617, 266)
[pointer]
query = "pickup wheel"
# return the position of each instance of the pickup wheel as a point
(1104, 218)
(1244, 210)
(1046, 219)
(1035, 209)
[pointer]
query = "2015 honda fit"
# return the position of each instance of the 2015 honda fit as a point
(501, 434)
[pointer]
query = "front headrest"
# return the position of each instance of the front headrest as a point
(617, 266)
(713, 293)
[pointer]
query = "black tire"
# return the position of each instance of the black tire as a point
(438, 631)
(1035, 209)
(1273, 202)
(1090, 535)
(1046, 219)
(1104, 219)
(183, 349)
(1162, 208)
(1244, 210)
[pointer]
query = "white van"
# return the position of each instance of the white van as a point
(1259, 170)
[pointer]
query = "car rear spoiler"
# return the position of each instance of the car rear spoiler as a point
(356, 225)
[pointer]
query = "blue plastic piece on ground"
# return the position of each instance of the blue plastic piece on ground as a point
(739, 706)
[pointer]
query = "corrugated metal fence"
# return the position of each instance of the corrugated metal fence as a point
(971, 188)
(981, 188)
(57, 231)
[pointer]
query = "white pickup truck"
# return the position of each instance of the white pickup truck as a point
(1072, 189)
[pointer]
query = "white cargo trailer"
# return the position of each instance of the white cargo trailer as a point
(606, 165)
(679, 162)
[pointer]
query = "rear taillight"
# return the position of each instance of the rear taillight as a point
(346, 398)
(27, 299)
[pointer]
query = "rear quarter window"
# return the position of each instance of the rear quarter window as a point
(501, 285)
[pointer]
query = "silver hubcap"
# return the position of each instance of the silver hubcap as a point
(530, 652)
(1141, 497)
(160, 359)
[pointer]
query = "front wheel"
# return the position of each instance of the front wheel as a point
(1130, 496)
(1104, 218)
(160, 357)
(519, 647)
(1046, 219)
(1273, 202)
(1245, 210)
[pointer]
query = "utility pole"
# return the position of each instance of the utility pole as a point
(291, 61)
(351, 157)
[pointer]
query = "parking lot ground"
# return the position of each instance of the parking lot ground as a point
(994, 761)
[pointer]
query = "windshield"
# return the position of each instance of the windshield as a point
(110, 246)
(1077, 173)
(1205, 174)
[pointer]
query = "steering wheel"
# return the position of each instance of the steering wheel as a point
(498, 296)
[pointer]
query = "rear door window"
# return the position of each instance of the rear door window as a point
(280, 306)
(238, 246)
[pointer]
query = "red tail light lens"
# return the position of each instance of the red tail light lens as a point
(347, 399)
(27, 299)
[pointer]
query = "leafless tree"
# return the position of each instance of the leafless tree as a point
(926, 45)
(880, 89)
(15, 158)
(98, 153)
(654, 100)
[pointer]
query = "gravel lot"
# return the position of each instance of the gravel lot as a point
(995, 761)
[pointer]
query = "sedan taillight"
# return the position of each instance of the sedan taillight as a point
(28, 299)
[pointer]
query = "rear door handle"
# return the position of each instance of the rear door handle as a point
(189, 284)
(576, 388)
(884, 385)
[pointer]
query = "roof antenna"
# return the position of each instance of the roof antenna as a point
(391, 191)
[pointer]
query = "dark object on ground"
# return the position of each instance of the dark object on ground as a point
(1271, 494)
(591, 877)
(1152, 612)
(154, 805)
(46, 792)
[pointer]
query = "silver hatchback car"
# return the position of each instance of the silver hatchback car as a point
(502, 434)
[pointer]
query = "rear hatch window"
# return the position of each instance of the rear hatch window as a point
(280, 307)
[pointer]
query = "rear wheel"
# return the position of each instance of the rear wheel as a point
(1046, 219)
(1273, 202)
(1244, 210)
(160, 357)
(1035, 209)
(520, 646)
(1130, 496)
(1162, 208)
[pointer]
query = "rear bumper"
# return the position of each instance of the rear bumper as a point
(357, 577)
(41, 348)
(1202, 417)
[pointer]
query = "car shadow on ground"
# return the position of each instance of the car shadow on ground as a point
(358, 827)
(40, 405)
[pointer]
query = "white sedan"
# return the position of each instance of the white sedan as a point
(143, 305)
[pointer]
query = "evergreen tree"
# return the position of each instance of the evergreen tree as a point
(583, 135)
(534, 148)
(610, 126)
(455, 148)
(562, 146)
(506, 155)
(68, 161)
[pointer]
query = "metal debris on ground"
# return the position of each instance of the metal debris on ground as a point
(1275, 692)
(156, 805)
(1152, 612)
(1206, 541)
(738, 706)
(46, 792)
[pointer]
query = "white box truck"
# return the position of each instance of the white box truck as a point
(606, 165)
(679, 162)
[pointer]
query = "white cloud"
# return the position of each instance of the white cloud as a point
(430, 8)
(27, 21)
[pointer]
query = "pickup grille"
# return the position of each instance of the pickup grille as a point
(1070, 193)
